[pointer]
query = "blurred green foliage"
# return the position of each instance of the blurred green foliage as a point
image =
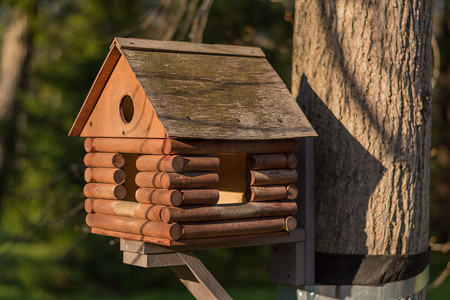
(46, 251)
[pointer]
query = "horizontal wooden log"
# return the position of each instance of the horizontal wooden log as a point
(139, 146)
(200, 164)
(176, 163)
(104, 191)
(237, 227)
(130, 236)
(105, 175)
(124, 208)
(159, 196)
(134, 226)
(271, 192)
(160, 163)
(222, 146)
(190, 180)
(271, 177)
(200, 196)
(187, 147)
(291, 192)
(104, 160)
(149, 179)
(271, 161)
(266, 193)
(227, 212)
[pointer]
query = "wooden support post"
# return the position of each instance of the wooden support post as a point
(189, 269)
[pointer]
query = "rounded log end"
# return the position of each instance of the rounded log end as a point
(176, 197)
(118, 160)
(164, 179)
(292, 161)
(175, 231)
(178, 164)
(290, 223)
(291, 192)
(249, 195)
(250, 178)
(89, 220)
(164, 214)
(88, 205)
(120, 192)
(89, 145)
(166, 146)
(88, 174)
(119, 176)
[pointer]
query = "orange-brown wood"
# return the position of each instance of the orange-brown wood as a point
(124, 209)
(189, 180)
(200, 196)
(291, 223)
(149, 179)
(105, 175)
(159, 196)
(134, 226)
(233, 227)
(272, 177)
(130, 236)
(266, 193)
(104, 160)
(137, 146)
(160, 163)
(226, 212)
(291, 192)
(271, 161)
(104, 191)
(106, 119)
(96, 89)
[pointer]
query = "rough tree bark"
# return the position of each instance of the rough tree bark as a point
(362, 70)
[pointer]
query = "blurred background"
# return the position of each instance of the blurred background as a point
(51, 52)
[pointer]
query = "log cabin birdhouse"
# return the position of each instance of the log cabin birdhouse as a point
(189, 144)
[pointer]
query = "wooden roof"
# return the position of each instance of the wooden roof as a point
(206, 91)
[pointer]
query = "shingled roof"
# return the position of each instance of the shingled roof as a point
(206, 91)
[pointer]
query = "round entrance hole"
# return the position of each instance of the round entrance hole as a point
(126, 109)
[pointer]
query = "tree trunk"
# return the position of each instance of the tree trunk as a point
(14, 52)
(362, 71)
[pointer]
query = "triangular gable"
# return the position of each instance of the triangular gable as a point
(107, 118)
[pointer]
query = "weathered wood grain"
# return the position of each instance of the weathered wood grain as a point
(272, 177)
(227, 212)
(124, 208)
(221, 97)
(237, 227)
(185, 47)
(134, 226)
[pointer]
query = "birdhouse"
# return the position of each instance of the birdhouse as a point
(190, 144)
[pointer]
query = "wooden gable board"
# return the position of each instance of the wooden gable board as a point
(207, 92)
(106, 120)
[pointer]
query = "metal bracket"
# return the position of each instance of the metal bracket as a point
(391, 290)
(189, 269)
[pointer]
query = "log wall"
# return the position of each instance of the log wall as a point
(143, 189)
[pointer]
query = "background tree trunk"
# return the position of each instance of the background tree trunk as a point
(14, 52)
(362, 70)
